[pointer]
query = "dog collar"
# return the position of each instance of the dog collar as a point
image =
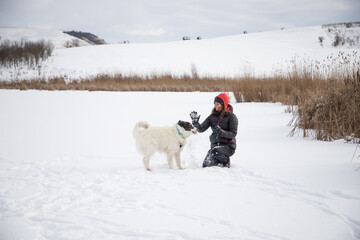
(180, 133)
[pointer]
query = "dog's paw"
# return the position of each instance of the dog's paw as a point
(148, 169)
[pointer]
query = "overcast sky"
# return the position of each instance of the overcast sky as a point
(170, 20)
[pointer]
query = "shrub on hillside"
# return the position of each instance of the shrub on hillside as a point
(72, 43)
(338, 40)
(344, 34)
(24, 52)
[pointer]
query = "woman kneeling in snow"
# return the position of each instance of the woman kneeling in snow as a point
(224, 124)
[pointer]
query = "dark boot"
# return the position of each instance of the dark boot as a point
(226, 164)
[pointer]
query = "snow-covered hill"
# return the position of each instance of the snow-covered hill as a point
(57, 37)
(247, 54)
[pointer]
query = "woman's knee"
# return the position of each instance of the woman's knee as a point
(220, 154)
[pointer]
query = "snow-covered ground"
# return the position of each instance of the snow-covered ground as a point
(69, 170)
(253, 54)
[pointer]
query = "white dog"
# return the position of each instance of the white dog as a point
(170, 140)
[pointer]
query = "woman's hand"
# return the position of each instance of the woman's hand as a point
(194, 117)
(218, 130)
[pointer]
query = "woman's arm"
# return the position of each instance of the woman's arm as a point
(233, 126)
(203, 126)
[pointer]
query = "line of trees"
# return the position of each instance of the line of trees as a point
(31, 53)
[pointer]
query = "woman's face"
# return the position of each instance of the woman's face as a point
(218, 107)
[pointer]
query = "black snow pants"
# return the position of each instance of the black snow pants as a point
(218, 154)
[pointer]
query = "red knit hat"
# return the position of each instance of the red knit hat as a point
(223, 99)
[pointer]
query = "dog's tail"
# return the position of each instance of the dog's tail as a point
(139, 128)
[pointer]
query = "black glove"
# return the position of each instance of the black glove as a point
(194, 117)
(218, 130)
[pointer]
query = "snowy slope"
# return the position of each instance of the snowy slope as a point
(251, 54)
(57, 37)
(69, 170)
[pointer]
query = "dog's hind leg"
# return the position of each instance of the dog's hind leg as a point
(146, 161)
(178, 162)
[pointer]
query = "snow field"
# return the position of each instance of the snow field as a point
(255, 54)
(69, 170)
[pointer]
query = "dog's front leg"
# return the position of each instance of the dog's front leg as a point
(146, 161)
(170, 160)
(177, 158)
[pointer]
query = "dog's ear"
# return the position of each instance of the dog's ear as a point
(179, 122)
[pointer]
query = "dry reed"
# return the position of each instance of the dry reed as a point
(324, 98)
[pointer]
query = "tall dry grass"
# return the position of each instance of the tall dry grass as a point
(323, 96)
(328, 99)
(331, 113)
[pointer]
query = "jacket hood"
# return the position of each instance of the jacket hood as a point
(223, 99)
(230, 108)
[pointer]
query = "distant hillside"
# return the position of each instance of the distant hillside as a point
(57, 37)
(343, 34)
(88, 37)
(253, 54)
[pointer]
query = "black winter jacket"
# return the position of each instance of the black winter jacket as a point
(229, 125)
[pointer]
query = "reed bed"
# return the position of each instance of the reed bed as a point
(331, 113)
(323, 97)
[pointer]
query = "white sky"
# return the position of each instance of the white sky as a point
(170, 20)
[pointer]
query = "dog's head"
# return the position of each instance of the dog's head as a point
(186, 128)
